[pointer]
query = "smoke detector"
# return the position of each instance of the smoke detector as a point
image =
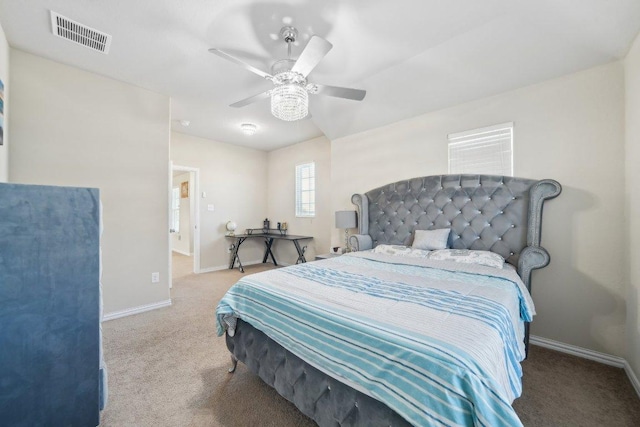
(78, 33)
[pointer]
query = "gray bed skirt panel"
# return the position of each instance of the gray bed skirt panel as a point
(317, 395)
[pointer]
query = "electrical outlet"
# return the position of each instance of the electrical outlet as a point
(155, 277)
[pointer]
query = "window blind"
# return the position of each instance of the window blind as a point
(306, 190)
(482, 151)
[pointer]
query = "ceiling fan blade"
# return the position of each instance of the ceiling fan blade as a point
(312, 54)
(243, 64)
(341, 92)
(251, 99)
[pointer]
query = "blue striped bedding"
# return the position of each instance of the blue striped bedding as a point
(438, 342)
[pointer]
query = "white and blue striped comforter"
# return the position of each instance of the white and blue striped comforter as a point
(438, 342)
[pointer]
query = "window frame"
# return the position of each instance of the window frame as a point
(474, 136)
(175, 209)
(299, 191)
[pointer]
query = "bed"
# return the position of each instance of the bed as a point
(396, 333)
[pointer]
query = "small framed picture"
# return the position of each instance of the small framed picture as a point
(184, 190)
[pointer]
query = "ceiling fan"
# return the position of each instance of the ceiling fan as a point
(290, 96)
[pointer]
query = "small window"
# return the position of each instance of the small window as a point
(306, 190)
(487, 151)
(175, 210)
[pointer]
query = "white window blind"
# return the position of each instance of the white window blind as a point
(306, 190)
(482, 151)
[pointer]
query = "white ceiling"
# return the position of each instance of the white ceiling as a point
(412, 56)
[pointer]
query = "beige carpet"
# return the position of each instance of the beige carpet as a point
(182, 265)
(167, 368)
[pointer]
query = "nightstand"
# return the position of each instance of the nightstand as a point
(327, 256)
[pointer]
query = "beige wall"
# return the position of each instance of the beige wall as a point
(74, 128)
(632, 155)
(4, 76)
(281, 200)
(570, 129)
(235, 182)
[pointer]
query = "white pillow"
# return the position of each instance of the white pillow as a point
(466, 256)
(431, 239)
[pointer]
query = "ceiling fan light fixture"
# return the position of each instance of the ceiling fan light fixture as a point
(289, 102)
(290, 95)
(248, 128)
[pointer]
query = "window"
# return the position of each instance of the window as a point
(175, 210)
(306, 190)
(482, 151)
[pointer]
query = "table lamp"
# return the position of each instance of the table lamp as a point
(346, 220)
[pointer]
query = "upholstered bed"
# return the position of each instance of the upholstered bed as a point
(372, 338)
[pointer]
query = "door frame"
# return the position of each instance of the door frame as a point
(195, 216)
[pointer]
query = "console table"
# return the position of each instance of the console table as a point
(269, 238)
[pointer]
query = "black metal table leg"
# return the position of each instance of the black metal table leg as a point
(235, 256)
(300, 250)
(268, 241)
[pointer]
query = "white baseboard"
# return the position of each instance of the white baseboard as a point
(181, 252)
(135, 310)
(632, 377)
(226, 266)
(574, 350)
(212, 269)
(585, 353)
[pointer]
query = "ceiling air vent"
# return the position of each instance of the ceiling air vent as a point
(78, 33)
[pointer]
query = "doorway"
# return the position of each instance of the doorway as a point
(184, 222)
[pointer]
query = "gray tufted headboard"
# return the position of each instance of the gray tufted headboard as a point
(485, 212)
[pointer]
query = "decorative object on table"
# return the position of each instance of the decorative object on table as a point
(346, 220)
(265, 225)
(290, 96)
(284, 227)
(184, 190)
(231, 228)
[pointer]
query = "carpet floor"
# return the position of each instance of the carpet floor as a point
(167, 367)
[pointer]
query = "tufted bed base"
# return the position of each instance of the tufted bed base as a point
(320, 397)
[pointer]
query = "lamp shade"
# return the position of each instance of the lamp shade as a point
(346, 219)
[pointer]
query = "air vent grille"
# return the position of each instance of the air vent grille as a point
(80, 34)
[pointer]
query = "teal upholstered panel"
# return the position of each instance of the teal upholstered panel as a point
(49, 306)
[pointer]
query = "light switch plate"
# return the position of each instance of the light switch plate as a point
(210, 208)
